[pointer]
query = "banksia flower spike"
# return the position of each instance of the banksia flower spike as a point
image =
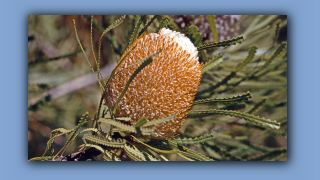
(166, 86)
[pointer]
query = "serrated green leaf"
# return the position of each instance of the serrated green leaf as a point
(125, 127)
(256, 106)
(196, 38)
(63, 131)
(190, 153)
(194, 35)
(135, 31)
(162, 120)
(192, 141)
(243, 97)
(277, 31)
(278, 51)
(252, 52)
(224, 43)
(255, 119)
(118, 124)
(94, 146)
(149, 23)
(134, 153)
(270, 69)
(113, 25)
(146, 151)
(163, 23)
(212, 63)
(83, 120)
(103, 141)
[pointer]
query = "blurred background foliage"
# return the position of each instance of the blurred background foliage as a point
(61, 86)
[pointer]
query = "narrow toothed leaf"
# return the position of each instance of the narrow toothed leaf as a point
(277, 31)
(243, 97)
(225, 43)
(103, 141)
(125, 127)
(147, 25)
(278, 51)
(135, 31)
(255, 119)
(212, 63)
(252, 52)
(134, 153)
(196, 39)
(119, 125)
(192, 141)
(256, 106)
(163, 24)
(113, 25)
(190, 153)
(62, 131)
(162, 120)
(240, 65)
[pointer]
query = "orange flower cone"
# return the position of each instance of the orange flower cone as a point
(164, 87)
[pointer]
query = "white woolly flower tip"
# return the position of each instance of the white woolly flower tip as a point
(182, 40)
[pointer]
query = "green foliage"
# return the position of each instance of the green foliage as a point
(194, 35)
(163, 24)
(191, 141)
(243, 97)
(162, 120)
(252, 51)
(231, 71)
(147, 25)
(135, 31)
(103, 141)
(225, 43)
(260, 121)
(113, 25)
(196, 38)
(212, 63)
(144, 131)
